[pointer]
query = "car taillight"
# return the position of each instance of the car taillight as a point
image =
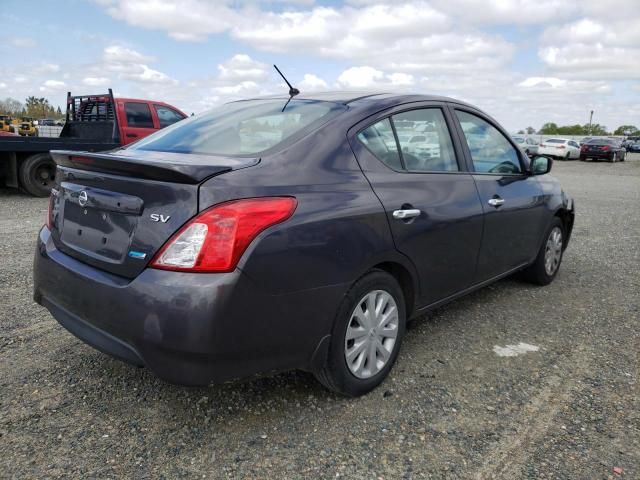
(583, 147)
(562, 146)
(605, 148)
(214, 240)
(49, 219)
(542, 145)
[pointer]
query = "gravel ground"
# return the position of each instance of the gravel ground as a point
(451, 408)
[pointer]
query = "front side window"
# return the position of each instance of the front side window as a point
(241, 128)
(425, 141)
(491, 152)
(379, 139)
(138, 115)
(167, 116)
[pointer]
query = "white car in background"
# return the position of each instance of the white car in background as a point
(560, 148)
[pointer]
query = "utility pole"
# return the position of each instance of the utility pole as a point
(590, 120)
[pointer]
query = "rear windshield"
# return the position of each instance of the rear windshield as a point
(519, 139)
(601, 141)
(241, 128)
(555, 140)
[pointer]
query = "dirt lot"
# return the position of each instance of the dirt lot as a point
(452, 408)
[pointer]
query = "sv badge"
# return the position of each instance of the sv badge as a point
(156, 217)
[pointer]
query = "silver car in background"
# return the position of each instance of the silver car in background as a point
(527, 144)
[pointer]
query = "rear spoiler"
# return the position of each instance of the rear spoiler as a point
(161, 166)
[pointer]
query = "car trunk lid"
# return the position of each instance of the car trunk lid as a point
(114, 211)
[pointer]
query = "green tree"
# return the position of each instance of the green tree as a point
(38, 107)
(530, 130)
(549, 128)
(596, 130)
(626, 130)
(520, 132)
(571, 130)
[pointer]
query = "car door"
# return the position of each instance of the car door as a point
(574, 148)
(431, 202)
(511, 198)
(138, 122)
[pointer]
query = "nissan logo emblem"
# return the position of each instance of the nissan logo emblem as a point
(83, 198)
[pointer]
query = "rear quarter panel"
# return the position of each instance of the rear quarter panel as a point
(339, 229)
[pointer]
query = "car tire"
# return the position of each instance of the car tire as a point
(613, 158)
(583, 158)
(36, 174)
(567, 156)
(360, 374)
(539, 272)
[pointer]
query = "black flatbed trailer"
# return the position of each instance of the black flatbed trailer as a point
(91, 125)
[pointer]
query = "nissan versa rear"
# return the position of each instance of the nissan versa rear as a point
(292, 233)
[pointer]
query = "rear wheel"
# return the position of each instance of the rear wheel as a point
(583, 158)
(568, 156)
(37, 174)
(613, 158)
(366, 336)
(546, 265)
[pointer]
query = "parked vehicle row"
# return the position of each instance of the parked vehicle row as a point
(292, 233)
(93, 123)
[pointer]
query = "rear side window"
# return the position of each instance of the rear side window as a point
(241, 128)
(167, 116)
(491, 152)
(425, 141)
(138, 115)
(555, 140)
(379, 139)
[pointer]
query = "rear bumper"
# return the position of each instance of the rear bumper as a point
(191, 329)
(597, 155)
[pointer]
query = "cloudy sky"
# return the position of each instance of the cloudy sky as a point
(523, 61)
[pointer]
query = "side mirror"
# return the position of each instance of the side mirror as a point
(541, 165)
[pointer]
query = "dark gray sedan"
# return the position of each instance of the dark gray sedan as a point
(265, 236)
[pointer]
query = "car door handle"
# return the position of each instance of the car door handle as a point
(406, 214)
(495, 202)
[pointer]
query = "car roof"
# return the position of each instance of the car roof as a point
(347, 97)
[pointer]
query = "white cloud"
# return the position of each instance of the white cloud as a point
(148, 75)
(22, 42)
(360, 77)
(401, 79)
(242, 67)
(96, 81)
(51, 86)
(593, 49)
(311, 83)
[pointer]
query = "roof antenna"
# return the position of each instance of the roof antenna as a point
(292, 90)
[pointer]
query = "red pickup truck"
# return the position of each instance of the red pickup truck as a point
(93, 123)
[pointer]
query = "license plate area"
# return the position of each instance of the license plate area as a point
(99, 223)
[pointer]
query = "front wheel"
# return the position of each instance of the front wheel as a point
(546, 265)
(366, 336)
